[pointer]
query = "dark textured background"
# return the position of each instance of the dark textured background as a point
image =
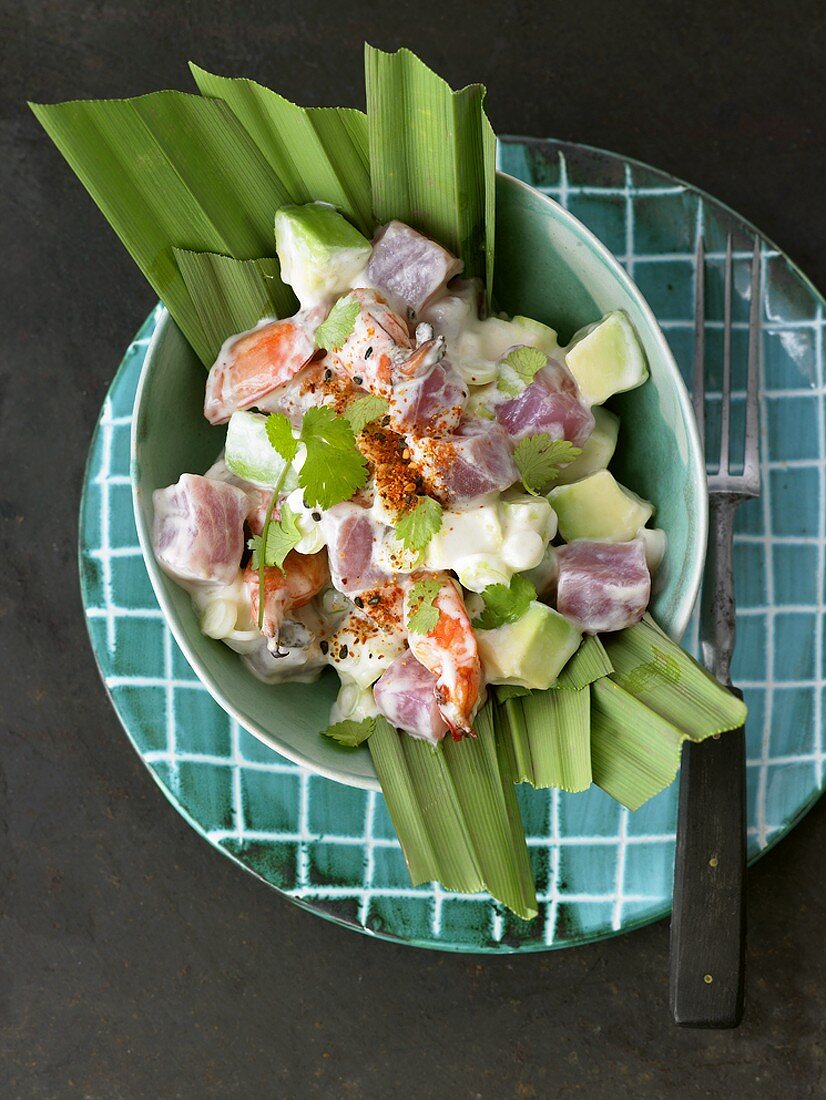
(135, 961)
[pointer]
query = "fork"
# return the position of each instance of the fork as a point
(708, 924)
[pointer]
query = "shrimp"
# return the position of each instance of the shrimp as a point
(303, 577)
(379, 341)
(250, 366)
(450, 652)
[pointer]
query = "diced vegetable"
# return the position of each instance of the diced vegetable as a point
(606, 358)
(598, 507)
(530, 652)
(320, 252)
(251, 456)
(597, 450)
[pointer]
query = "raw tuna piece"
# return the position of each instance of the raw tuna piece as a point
(410, 267)
(406, 696)
(474, 461)
(603, 585)
(429, 404)
(251, 365)
(351, 542)
(551, 403)
(198, 530)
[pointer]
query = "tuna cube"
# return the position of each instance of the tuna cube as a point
(551, 403)
(603, 585)
(474, 461)
(406, 696)
(352, 540)
(409, 267)
(198, 530)
(429, 404)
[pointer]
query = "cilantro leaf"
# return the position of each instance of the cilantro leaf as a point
(283, 536)
(364, 410)
(417, 527)
(485, 413)
(422, 614)
(540, 458)
(523, 363)
(280, 434)
(350, 733)
(334, 467)
(340, 322)
(505, 603)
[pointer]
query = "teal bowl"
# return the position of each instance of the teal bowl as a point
(548, 266)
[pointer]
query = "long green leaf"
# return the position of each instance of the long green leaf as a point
(654, 669)
(559, 731)
(318, 153)
(231, 296)
(432, 156)
(589, 663)
(456, 814)
(170, 170)
(488, 802)
(635, 753)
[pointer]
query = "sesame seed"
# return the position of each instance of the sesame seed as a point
(328, 374)
(374, 601)
(342, 653)
(324, 647)
(316, 516)
(357, 379)
(368, 353)
(358, 601)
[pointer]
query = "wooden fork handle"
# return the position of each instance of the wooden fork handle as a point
(708, 924)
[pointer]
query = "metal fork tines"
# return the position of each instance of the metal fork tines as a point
(726, 489)
(708, 922)
(746, 484)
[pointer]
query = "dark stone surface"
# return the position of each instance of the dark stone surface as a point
(134, 961)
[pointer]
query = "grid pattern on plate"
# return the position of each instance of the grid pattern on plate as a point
(598, 868)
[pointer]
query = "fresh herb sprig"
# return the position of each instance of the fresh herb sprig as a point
(539, 460)
(422, 613)
(505, 603)
(418, 526)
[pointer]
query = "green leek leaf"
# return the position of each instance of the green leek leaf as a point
(454, 808)
(229, 295)
(170, 170)
(318, 153)
(432, 156)
(549, 739)
(589, 663)
(635, 753)
(655, 670)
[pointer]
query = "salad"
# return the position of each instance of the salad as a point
(412, 491)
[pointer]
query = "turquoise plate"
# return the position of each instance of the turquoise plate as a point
(599, 870)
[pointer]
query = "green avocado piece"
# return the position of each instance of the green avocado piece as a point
(542, 336)
(598, 507)
(597, 450)
(531, 652)
(606, 358)
(320, 253)
(250, 455)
